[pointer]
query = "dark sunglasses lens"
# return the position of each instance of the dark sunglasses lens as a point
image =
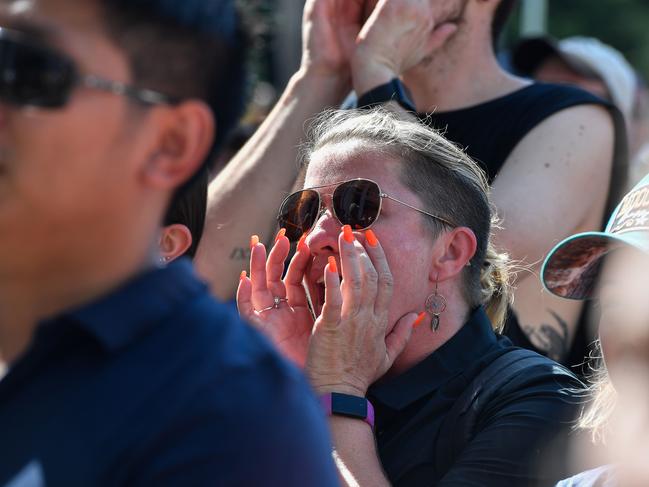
(298, 213)
(34, 75)
(357, 203)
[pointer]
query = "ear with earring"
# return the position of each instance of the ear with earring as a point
(435, 306)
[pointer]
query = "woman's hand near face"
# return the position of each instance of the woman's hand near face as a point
(289, 325)
(349, 348)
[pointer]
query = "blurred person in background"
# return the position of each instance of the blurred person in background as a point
(436, 57)
(619, 410)
(450, 402)
(599, 69)
(580, 61)
(639, 165)
(120, 371)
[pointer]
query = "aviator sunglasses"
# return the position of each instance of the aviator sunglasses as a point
(33, 74)
(356, 203)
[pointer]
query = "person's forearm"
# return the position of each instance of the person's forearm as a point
(244, 198)
(355, 453)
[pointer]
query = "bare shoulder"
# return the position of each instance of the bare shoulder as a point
(573, 135)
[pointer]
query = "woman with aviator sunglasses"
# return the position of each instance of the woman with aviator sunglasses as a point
(397, 324)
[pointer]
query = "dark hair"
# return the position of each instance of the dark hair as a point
(448, 182)
(500, 18)
(186, 49)
(236, 139)
(189, 207)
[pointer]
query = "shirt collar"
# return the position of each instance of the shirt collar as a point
(118, 318)
(471, 342)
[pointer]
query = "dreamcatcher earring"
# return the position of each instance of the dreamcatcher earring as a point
(435, 306)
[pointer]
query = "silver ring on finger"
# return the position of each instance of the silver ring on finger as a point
(276, 303)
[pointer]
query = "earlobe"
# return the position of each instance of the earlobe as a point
(186, 135)
(175, 240)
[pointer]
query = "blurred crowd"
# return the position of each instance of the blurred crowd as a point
(424, 263)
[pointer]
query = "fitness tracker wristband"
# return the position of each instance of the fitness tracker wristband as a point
(393, 90)
(347, 405)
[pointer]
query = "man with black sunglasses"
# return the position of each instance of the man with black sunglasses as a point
(116, 370)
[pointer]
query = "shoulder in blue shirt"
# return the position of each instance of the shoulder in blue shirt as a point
(158, 384)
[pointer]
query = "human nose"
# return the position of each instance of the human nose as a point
(323, 238)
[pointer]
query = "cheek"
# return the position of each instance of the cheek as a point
(68, 174)
(624, 337)
(409, 268)
(75, 158)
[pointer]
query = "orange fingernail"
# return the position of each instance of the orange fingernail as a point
(243, 275)
(332, 264)
(348, 235)
(254, 240)
(280, 234)
(420, 319)
(301, 242)
(371, 238)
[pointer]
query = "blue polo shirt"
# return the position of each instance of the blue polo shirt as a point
(158, 384)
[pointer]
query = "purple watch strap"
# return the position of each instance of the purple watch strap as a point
(326, 401)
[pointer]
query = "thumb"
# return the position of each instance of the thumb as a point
(440, 35)
(398, 338)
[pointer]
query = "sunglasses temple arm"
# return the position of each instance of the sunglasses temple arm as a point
(147, 97)
(383, 195)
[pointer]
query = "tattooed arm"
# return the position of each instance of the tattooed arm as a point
(551, 338)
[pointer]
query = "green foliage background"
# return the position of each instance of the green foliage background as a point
(624, 24)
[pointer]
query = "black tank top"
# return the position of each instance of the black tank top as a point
(489, 132)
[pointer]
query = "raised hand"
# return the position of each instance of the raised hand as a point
(288, 321)
(351, 346)
(329, 31)
(398, 35)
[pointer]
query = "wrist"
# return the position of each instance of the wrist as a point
(342, 389)
(345, 405)
(367, 75)
(329, 88)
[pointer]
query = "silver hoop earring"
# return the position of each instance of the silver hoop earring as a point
(435, 306)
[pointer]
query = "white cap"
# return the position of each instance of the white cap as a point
(590, 56)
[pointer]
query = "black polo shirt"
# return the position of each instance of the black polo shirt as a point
(158, 384)
(515, 436)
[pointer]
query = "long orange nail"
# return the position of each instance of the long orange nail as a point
(420, 319)
(348, 235)
(371, 238)
(254, 240)
(301, 243)
(243, 275)
(332, 264)
(280, 234)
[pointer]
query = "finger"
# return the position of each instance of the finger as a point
(261, 296)
(294, 276)
(275, 266)
(397, 339)
(441, 33)
(333, 302)
(385, 281)
(369, 276)
(352, 283)
(244, 298)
